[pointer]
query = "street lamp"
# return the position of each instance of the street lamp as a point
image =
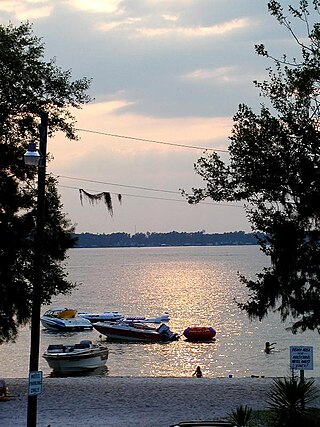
(33, 157)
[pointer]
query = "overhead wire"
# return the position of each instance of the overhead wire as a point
(194, 147)
(118, 185)
(129, 195)
(142, 196)
(140, 187)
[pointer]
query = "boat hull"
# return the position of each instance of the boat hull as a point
(125, 332)
(64, 325)
(73, 362)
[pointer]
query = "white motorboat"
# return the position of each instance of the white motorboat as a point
(106, 316)
(114, 316)
(63, 320)
(81, 357)
(142, 319)
(135, 331)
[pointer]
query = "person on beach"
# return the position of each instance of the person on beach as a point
(268, 347)
(3, 388)
(197, 372)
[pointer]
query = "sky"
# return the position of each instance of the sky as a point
(169, 72)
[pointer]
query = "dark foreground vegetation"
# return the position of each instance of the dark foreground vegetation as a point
(289, 402)
(273, 169)
(266, 418)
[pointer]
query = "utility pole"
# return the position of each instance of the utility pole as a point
(38, 272)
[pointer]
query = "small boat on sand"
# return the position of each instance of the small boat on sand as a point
(135, 331)
(64, 320)
(199, 333)
(81, 357)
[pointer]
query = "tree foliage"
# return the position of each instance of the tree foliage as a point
(30, 86)
(274, 166)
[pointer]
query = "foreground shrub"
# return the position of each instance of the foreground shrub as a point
(288, 399)
(241, 416)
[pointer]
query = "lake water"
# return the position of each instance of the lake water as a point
(197, 286)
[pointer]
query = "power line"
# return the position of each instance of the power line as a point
(152, 141)
(118, 185)
(128, 195)
(154, 198)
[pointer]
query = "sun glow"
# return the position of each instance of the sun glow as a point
(107, 117)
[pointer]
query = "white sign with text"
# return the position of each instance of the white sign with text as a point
(35, 383)
(301, 357)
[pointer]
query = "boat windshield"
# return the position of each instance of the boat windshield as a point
(64, 313)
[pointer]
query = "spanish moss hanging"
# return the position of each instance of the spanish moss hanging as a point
(95, 198)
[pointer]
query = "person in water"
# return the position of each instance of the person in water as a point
(197, 372)
(3, 388)
(268, 347)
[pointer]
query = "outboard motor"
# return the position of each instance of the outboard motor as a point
(165, 331)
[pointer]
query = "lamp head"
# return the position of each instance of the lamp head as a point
(31, 156)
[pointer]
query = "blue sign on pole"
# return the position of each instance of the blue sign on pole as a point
(35, 383)
(301, 357)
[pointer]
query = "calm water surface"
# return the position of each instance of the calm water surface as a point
(197, 286)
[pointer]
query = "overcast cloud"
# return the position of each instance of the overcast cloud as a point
(163, 70)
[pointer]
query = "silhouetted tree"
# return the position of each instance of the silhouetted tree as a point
(275, 168)
(30, 86)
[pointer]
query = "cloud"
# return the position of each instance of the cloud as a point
(109, 107)
(103, 117)
(163, 70)
(195, 31)
(110, 26)
(178, 130)
(129, 162)
(166, 25)
(27, 9)
(170, 17)
(97, 6)
(221, 74)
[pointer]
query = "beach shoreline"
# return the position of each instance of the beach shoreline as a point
(133, 401)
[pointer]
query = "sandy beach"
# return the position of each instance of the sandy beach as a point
(133, 402)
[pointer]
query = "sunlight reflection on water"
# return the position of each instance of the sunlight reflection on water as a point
(197, 286)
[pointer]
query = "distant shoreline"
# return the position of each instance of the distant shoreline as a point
(171, 239)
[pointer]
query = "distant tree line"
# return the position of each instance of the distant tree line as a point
(173, 238)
